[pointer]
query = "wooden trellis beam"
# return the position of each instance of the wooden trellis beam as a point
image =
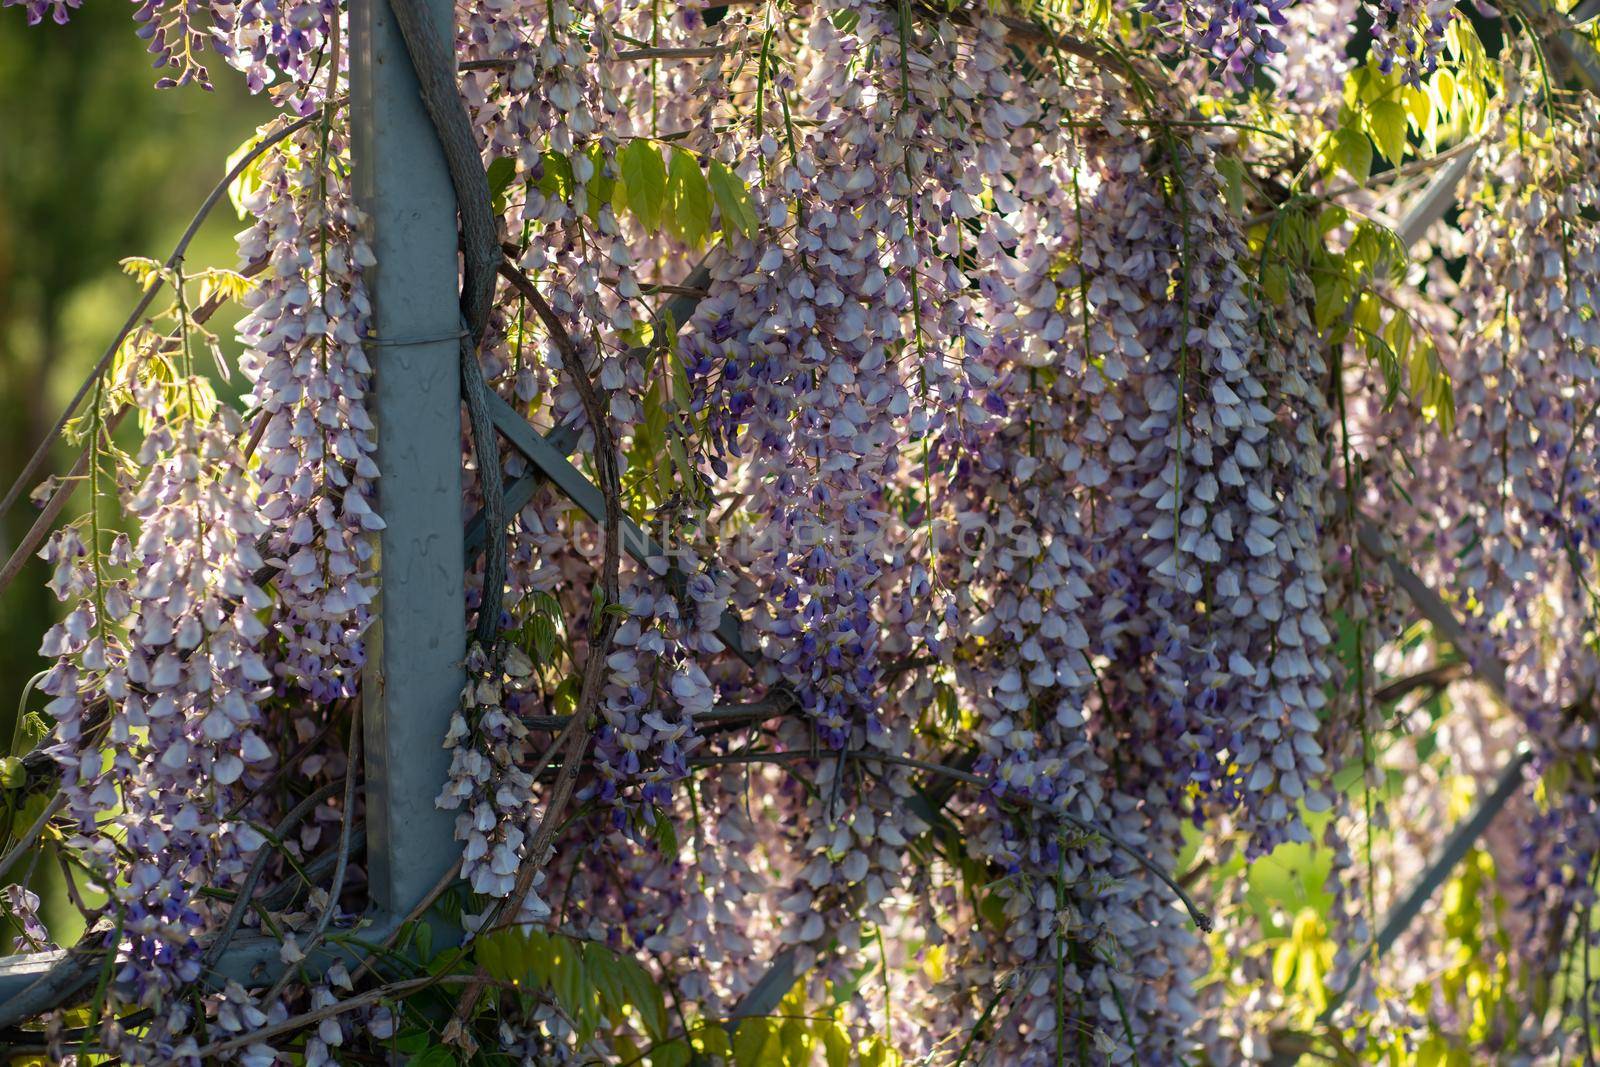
(551, 464)
(417, 647)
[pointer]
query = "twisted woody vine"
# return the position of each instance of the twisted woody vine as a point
(1083, 480)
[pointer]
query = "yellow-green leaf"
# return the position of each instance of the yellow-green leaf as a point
(676, 1053)
(836, 1045)
(738, 213)
(750, 1043)
(1283, 961)
(555, 175)
(248, 180)
(1386, 119)
(689, 200)
(644, 179)
(1353, 151)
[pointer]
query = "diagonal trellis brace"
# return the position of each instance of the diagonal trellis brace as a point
(1462, 837)
(564, 438)
(549, 461)
(1491, 672)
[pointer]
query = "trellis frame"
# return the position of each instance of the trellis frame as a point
(416, 651)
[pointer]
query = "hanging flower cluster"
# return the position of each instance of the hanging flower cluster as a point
(656, 685)
(309, 372)
(1408, 35)
(486, 783)
(1242, 34)
(159, 679)
(1521, 516)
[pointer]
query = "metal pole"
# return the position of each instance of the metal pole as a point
(416, 648)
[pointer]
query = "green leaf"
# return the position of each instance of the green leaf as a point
(712, 1039)
(12, 774)
(542, 633)
(795, 1038)
(1232, 171)
(605, 978)
(28, 812)
(1331, 218)
(644, 181)
(675, 1053)
(738, 213)
(424, 942)
(1386, 120)
(1442, 404)
(602, 188)
(1368, 314)
(1332, 296)
(1398, 333)
(502, 171)
(1353, 151)
(413, 1042)
(437, 1056)
(573, 986)
(249, 179)
(555, 178)
(645, 996)
(539, 958)
(689, 199)
(490, 953)
(750, 1043)
(1275, 283)
(1379, 352)
(836, 1044)
(666, 836)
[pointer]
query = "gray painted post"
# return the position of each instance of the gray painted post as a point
(415, 652)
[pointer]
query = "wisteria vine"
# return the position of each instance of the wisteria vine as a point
(1024, 447)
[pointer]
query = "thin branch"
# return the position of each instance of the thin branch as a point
(1388, 177)
(341, 864)
(1431, 606)
(632, 55)
(777, 703)
(1436, 677)
(247, 888)
(31, 834)
(647, 288)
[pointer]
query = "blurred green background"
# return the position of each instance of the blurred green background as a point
(95, 165)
